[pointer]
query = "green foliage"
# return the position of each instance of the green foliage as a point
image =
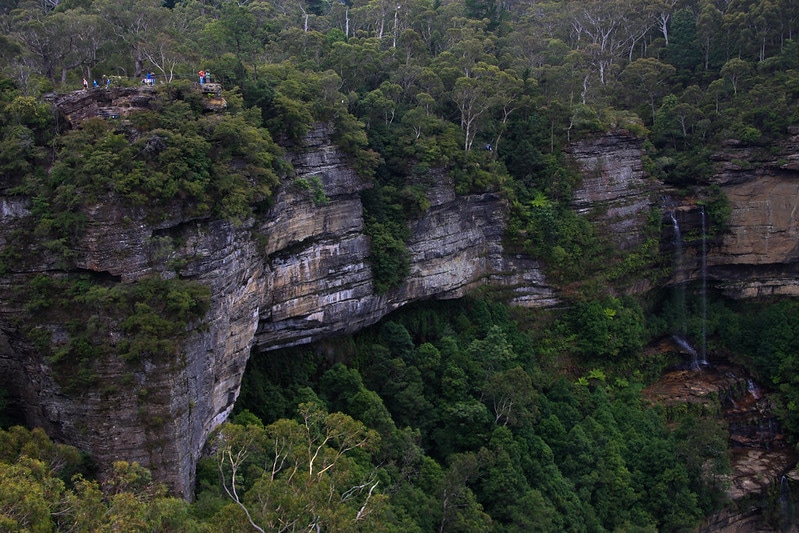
(608, 328)
(566, 241)
(500, 445)
(27, 127)
(307, 471)
(770, 337)
(718, 209)
(221, 165)
(154, 314)
(682, 51)
(511, 451)
(407, 103)
(40, 493)
(17, 442)
(349, 135)
(315, 187)
(585, 119)
(390, 258)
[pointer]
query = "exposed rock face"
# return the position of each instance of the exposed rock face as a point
(758, 254)
(117, 102)
(156, 412)
(295, 275)
(614, 184)
(78, 106)
(760, 455)
(324, 285)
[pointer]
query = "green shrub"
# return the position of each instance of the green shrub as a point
(718, 209)
(389, 258)
(153, 314)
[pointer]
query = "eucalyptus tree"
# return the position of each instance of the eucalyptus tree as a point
(788, 20)
(736, 71)
(297, 45)
(708, 30)
(288, 13)
(539, 37)
(308, 474)
(756, 24)
(459, 508)
(511, 396)
(511, 93)
(663, 11)
(170, 48)
(473, 97)
(233, 30)
(28, 28)
(361, 63)
(607, 31)
(647, 77)
(410, 57)
(433, 21)
(378, 18)
(57, 42)
(134, 23)
(595, 31)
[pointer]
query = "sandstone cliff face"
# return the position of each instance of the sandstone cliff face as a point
(614, 185)
(319, 279)
(156, 412)
(298, 274)
(117, 102)
(759, 256)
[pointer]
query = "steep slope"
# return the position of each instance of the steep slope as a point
(297, 274)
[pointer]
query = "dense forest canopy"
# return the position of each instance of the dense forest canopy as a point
(446, 417)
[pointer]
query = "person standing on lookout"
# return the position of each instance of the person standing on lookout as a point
(85, 84)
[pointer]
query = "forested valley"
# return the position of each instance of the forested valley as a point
(462, 415)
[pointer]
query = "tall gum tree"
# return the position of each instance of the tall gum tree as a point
(134, 23)
(647, 77)
(58, 41)
(473, 96)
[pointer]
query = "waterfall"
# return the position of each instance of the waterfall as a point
(679, 292)
(677, 234)
(697, 360)
(704, 288)
(786, 512)
(696, 364)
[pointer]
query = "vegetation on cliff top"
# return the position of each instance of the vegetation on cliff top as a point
(488, 92)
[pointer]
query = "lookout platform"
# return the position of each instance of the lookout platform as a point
(121, 102)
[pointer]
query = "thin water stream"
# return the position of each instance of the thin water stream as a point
(698, 359)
